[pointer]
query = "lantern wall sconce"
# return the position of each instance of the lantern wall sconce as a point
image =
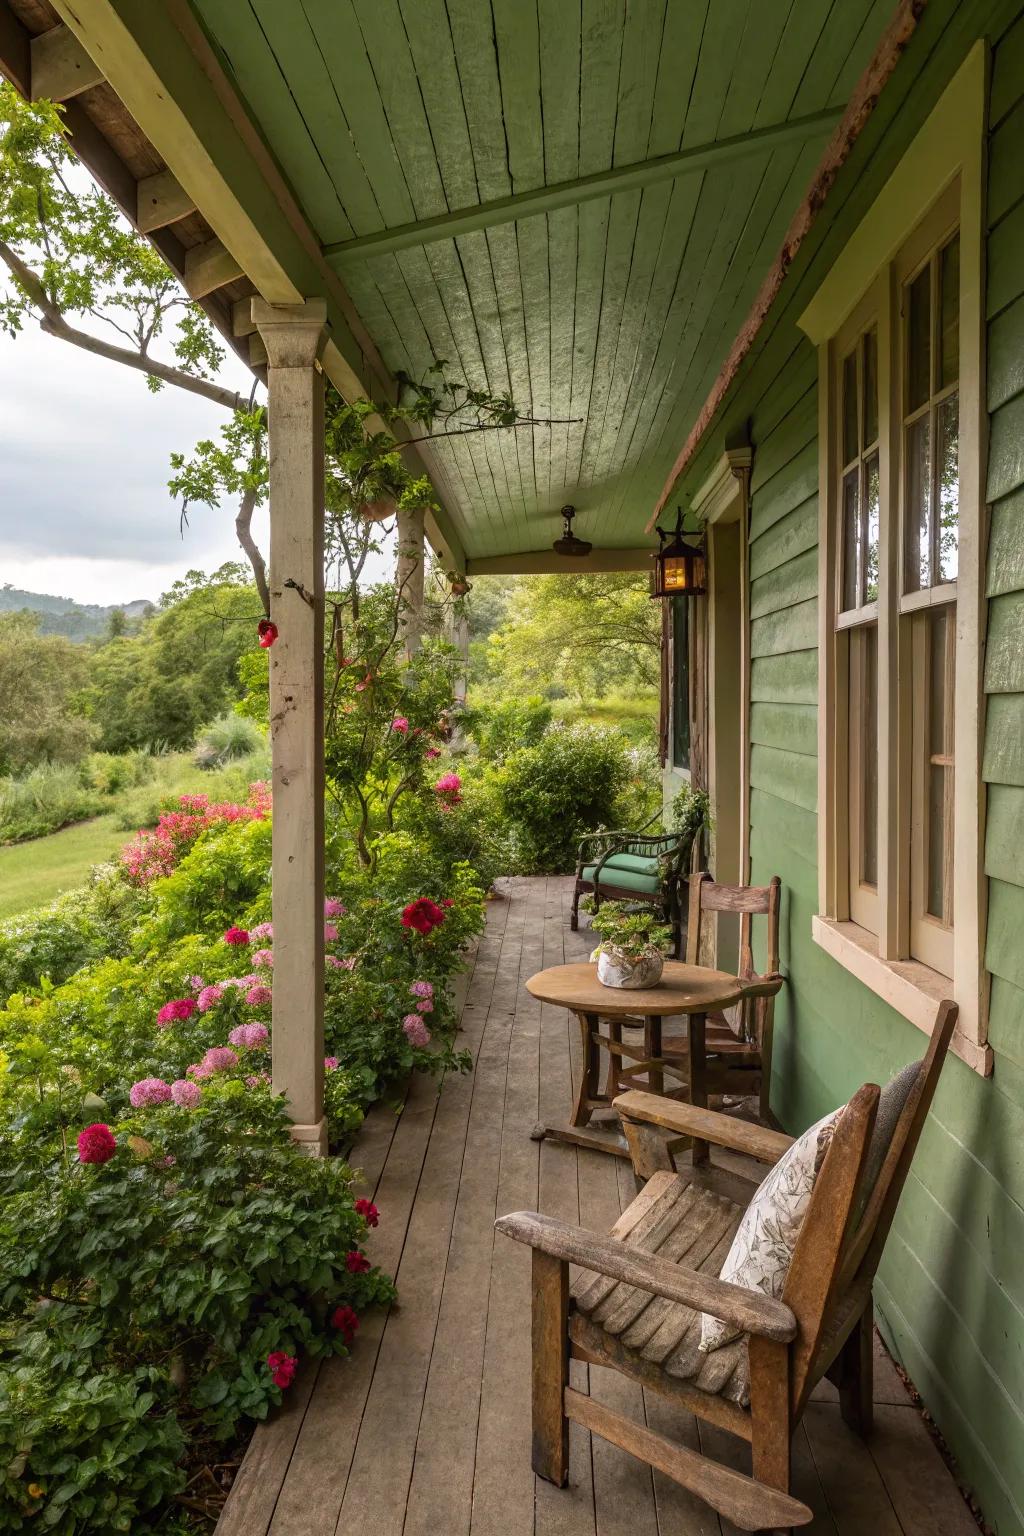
(680, 569)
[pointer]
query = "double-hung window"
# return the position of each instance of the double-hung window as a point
(902, 528)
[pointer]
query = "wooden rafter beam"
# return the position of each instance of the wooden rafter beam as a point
(160, 201)
(563, 194)
(61, 68)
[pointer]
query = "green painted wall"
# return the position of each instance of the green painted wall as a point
(950, 1295)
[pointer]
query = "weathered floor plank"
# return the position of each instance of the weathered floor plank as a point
(425, 1430)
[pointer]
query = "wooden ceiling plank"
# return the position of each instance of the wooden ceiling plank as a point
(394, 69)
(339, 37)
(767, 31)
(717, 59)
(841, 54)
(563, 239)
(603, 22)
(208, 267)
(260, 76)
(161, 200)
(638, 72)
(677, 68)
(544, 561)
(805, 24)
(61, 67)
(770, 208)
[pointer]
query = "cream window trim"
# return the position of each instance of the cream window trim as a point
(948, 152)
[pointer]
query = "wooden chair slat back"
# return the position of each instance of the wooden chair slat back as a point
(749, 1017)
(868, 1240)
(813, 1280)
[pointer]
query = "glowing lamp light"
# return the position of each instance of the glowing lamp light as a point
(679, 567)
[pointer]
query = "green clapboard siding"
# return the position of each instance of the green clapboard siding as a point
(950, 1295)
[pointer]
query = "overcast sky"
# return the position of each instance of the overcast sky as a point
(84, 462)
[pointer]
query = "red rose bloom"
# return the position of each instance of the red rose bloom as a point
(424, 915)
(345, 1320)
(368, 1210)
(282, 1368)
(267, 632)
(236, 936)
(356, 1263)
(96, 1144)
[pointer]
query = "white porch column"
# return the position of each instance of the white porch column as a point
(293, 335)
(409, 575)
(460, 639)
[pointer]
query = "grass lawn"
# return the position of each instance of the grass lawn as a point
(33, 873)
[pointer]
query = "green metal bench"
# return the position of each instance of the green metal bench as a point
(638, 867)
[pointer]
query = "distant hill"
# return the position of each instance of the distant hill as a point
(63, 616)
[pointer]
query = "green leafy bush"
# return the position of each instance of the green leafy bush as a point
(568, 783)
(78, 928)
(501, 728)
(228, 738)
(43, 800)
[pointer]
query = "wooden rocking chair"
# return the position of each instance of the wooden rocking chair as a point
(636, 1305)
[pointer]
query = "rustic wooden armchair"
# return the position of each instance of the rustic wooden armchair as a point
(636, 1302)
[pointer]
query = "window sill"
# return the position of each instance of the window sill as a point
(912, 989)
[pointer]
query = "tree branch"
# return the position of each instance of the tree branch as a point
(54, 324)
(243, 528)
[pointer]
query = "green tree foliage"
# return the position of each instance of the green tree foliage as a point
(38, 678)
(586, 633)
(161, 686)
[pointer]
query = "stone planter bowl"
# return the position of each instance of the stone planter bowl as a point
(616, 969)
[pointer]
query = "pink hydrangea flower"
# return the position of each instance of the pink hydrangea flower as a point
(258, 996)
(236, 936)
(149, 1090)
(219, 1058)
(448, 790)
(422, 989)
(242, 982)
(400, 724)
(334, 908)
(263, 957)
(96, 1144)
(196, 983)
(416, 1032)
(425, 1005)
(257, 1080)
(197, 1070)
(334, 963)
(177, 1008)
(330, 1063)
(432, 752)
(185, 1094)
(261, 931)
(209, 996)
(330, 932)
(249, 1036)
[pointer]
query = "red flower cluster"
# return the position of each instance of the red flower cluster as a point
(368, 1211)
(282, 1368)
(177, 1008)
(152, 854)
(423, 914)
(346, 1322)
(236, 936)
(96, 1144)
(267, 632)
(356, 1263)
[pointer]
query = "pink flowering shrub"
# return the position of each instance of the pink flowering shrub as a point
(209, 996)
(264, 958)
(96, 1144)
(153, 854)
(178, 1008)
(249, 1037)
(149, 1090)
(185, 1094)
(259, 996)
(416, 1032)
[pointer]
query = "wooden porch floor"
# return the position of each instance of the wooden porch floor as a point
(425, 1430)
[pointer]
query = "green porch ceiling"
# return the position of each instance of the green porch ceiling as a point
(573, 201)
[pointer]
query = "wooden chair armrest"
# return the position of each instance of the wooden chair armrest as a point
(751, 1311)
(764, 986)
(706, 1124)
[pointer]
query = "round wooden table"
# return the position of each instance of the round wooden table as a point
(692, 991)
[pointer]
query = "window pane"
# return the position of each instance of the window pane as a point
(919, 339)
(872, 498)
(851, 541)
(870, 387)
(681, 681)
(869, 760)
(917, 569)
(948, 465)
(949, 314)
(939, 775)
(851, 445)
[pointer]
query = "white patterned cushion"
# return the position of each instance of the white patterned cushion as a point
(762, 1249)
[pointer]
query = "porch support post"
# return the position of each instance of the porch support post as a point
(460, 639)
(294, 335)
(409, 575)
